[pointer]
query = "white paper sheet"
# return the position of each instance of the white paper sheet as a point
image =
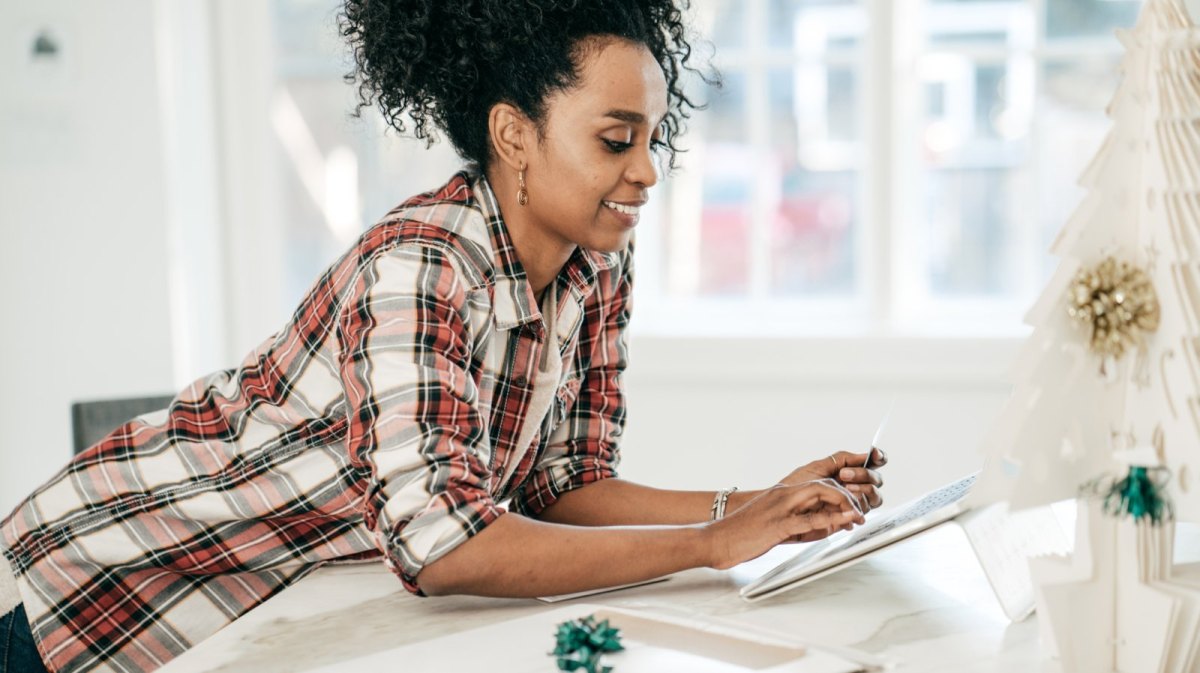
(654, 643)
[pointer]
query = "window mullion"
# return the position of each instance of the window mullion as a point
(904, 281)
(1031, 254)
(881, 130)
(759, 114)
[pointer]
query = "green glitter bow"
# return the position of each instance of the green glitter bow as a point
(1141, 494)
(581, 643)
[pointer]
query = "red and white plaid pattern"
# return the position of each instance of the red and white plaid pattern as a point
(376, 423)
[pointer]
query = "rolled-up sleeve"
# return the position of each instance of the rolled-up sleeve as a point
(412, 408)
(585, 447)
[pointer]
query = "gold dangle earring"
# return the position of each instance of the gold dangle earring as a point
(522, 193)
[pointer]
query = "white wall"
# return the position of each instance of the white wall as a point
(84, 278)
(709, 413)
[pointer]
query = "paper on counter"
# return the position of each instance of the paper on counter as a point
(653, 642)
(604, 590)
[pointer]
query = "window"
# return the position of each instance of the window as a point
(872, 166)
(340, 173)
(1011, 99)
(764, 223)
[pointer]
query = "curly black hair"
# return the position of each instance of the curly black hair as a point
(445, 63)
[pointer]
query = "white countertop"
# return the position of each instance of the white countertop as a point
(923, 605)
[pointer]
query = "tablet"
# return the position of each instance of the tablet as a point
(822, 558)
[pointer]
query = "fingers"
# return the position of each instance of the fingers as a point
(819, 534)
(845, 459)
(860, 475)
(821, 524)
(868, 493)
(825, 503)
(875, 457)
(830, 492)
(864, 495)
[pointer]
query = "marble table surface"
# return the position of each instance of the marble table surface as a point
(922, 605)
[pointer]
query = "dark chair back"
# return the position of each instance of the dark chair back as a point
(91, 421)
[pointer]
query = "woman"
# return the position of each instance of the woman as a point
(467, 351)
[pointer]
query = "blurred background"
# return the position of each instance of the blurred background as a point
(863, 215)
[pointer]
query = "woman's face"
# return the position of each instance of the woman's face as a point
(594, 162)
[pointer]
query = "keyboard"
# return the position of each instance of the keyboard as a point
(931, 502)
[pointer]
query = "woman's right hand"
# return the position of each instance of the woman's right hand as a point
(803, 512)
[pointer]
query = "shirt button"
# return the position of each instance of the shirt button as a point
(520, 382)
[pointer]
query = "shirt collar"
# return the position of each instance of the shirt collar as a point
(513, 301)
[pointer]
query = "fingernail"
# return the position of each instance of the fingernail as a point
(846, 473)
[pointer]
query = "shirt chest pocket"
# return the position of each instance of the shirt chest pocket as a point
(563, 403)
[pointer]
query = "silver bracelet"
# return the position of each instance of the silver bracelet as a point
(719, 502)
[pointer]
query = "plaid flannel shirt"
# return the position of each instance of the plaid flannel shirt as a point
(378, 422)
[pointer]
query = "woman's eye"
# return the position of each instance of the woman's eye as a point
(616, 147)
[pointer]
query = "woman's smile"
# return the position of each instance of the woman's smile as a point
(627, 213)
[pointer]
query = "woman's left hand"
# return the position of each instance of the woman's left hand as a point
(849, 469)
